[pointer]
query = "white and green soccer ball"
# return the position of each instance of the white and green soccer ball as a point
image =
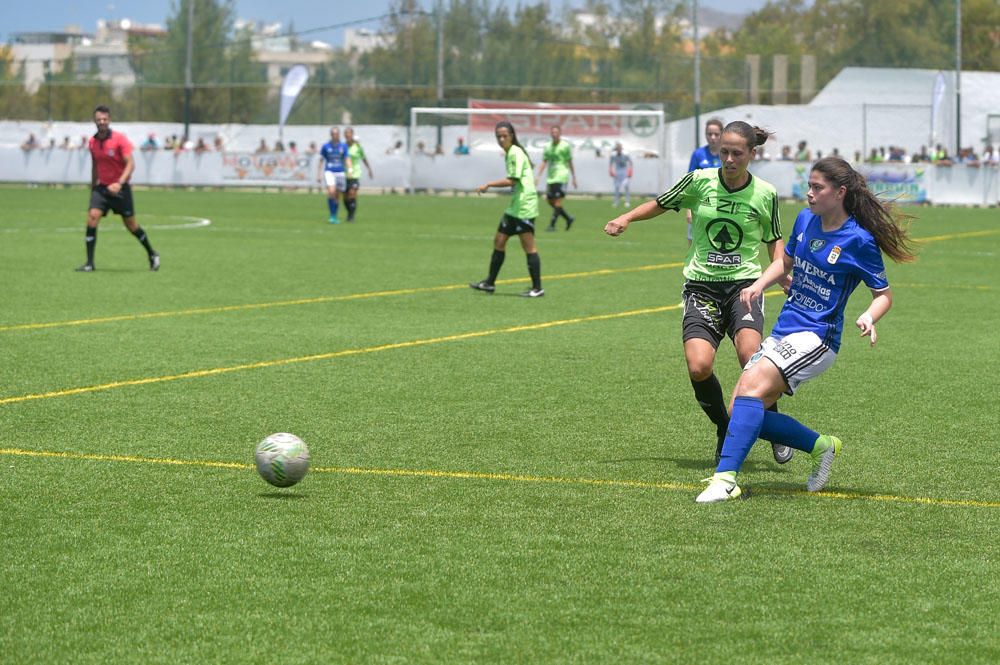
(282, 459)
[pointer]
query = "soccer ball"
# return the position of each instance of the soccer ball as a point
(282, 459)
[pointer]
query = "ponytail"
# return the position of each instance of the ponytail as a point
(754, 136)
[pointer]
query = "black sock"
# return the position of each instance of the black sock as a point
(351, 205)
(555, 216)
(709, 396)
(773, 408)
(140, 235)
(90, 238)
(535, 270)
(562, 211)
(495, 262)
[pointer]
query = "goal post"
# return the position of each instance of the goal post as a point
(592, 131)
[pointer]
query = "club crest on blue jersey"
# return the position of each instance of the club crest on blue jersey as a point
(834, 255)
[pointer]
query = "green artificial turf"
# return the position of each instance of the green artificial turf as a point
(495, 479)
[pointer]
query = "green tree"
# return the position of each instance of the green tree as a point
(246, 79)
(162, 63)
(72, 95)
(14, 101)
(981, 35)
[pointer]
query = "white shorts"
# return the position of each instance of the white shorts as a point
(799, 357)
(336, 179)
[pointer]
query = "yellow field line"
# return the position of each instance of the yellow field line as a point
(377, 294)
(953, 236)
(335, 354)
(319, 299)
(918, 285)
(504, 477)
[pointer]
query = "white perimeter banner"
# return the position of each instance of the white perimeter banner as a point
(245, 168)
(639, 135)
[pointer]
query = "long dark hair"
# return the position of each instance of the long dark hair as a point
(513, 138)
(881, 218)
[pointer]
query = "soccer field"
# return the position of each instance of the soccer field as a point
(495, 479)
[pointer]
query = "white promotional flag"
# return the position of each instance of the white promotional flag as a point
(940, 120)
(294, 81)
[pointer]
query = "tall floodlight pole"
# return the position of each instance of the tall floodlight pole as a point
(187, 69)
(697, 74)
(958, 76)
(439, 10)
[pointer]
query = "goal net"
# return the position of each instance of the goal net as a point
(437, 162)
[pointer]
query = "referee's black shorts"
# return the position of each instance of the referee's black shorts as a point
(120, 203)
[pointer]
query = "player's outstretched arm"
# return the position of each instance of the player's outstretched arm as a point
(506, 182)
(777, 271)
(647, 210)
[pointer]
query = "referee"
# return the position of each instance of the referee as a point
(110, 171)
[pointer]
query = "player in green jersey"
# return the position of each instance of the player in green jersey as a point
(734, 213)
(519, 217)
(357, 155)
(558, 157)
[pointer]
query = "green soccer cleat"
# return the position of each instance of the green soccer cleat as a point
(721, 487)
(334, 220)
(827, 447)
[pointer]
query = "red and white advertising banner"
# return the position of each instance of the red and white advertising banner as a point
(580, 126)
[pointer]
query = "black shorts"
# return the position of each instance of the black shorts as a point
(353, 183)
(712, 310)
(120, 204)
(556, 191)
(513, 226)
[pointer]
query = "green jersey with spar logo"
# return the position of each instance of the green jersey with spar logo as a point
(728, 227)
(357, 155)
(524, 198)
(558, 156)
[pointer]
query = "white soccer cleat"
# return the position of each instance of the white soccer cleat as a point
(721, 487)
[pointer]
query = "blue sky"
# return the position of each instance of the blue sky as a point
(45, 15)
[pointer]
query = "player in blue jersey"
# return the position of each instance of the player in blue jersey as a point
(334, 164)
(706, 157)
(735, 217)
(836, 244)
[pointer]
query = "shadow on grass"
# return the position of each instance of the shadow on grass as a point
(693, 463)
(283, 496)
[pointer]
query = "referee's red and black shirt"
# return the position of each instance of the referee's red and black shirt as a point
(109, 156)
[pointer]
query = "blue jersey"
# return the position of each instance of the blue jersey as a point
(334, 156)
(702, 158)
(827, 269)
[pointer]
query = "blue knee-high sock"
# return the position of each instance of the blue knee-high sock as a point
(332, 204)
(744, 428)
(783, 429)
